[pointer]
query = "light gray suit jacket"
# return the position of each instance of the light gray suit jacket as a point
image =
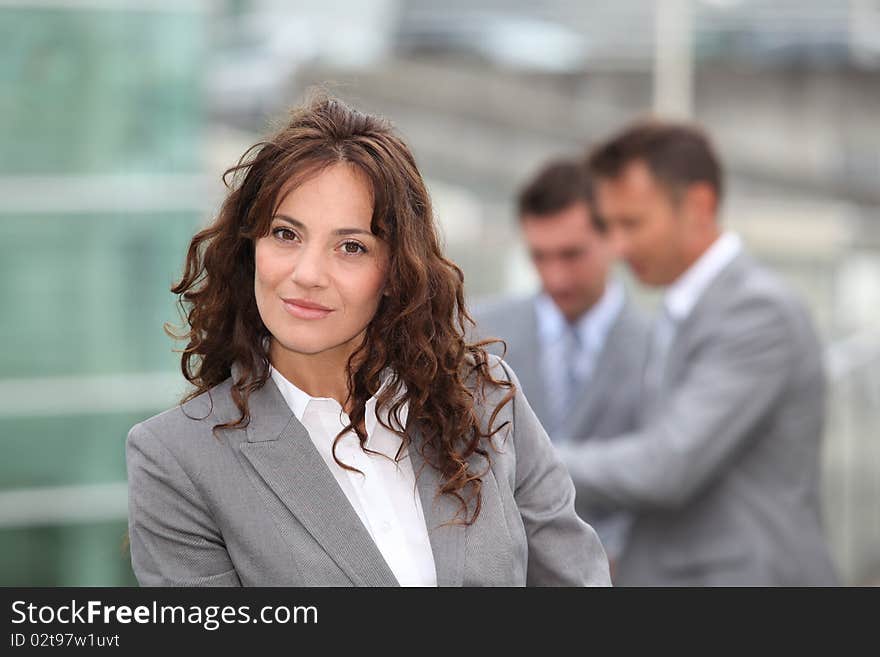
(259, 506)
(608, 403)
(724, 475)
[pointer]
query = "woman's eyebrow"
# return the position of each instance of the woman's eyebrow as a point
(352, 231)
(340, 231)
(290, 220)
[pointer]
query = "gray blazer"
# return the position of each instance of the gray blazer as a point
(259, 506)
(724, 476)
(609, 402)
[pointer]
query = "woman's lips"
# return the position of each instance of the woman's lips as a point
(305, 312)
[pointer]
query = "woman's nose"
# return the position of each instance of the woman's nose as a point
(310, 268)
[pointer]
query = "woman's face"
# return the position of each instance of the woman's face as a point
(320, 271)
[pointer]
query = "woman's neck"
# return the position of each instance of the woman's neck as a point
(318, 375)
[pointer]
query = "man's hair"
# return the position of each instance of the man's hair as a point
(676, 154)
(558, 185)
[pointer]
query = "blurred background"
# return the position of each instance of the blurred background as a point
(117, 118)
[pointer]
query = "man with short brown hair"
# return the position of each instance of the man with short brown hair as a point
(578, 345)
(723, 476)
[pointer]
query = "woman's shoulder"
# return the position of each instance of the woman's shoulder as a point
(495, 394)
(497, 368)
(189, 421)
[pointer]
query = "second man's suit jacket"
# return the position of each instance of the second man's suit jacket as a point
(258, 506)
(724, 474)
(608, 402)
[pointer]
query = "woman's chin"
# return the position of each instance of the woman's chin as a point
(304, 346)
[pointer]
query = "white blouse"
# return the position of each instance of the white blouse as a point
(385, 496)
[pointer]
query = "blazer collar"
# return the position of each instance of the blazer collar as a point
(447, 540)
(685, 293)
(705, 312)
(715, 295)
(280, 449)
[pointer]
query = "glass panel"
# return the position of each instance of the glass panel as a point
(90, 100)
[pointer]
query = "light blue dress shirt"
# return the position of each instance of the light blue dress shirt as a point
(570, 350)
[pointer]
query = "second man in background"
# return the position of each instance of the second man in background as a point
(578, 346)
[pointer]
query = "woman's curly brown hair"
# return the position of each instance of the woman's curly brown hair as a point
(419, 330)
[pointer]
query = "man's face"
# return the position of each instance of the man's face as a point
(571, 256)
(645, 226)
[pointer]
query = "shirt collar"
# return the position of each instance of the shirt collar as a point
(295, 397)
(683, 294)
(298, 400)
(592, 327)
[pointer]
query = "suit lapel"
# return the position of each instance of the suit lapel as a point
(447, 541)
(704, 311)
(580, 422)
(281, 451)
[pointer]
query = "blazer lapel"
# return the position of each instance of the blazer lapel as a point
(281, 451)
(705, 311)
(580, 422)
(447, 541)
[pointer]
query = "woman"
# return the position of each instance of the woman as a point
(341, 430)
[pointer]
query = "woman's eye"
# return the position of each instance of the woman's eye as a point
(353, 248)
(284, 234)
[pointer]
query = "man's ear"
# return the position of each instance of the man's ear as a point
(701, 202)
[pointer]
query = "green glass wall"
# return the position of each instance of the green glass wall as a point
(93, 103)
